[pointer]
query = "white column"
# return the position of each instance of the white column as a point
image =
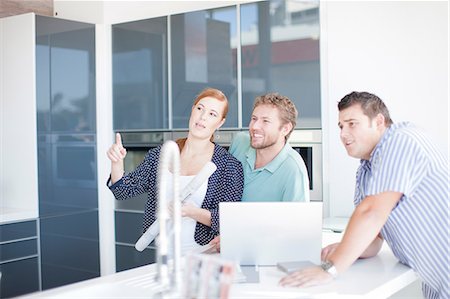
(104, 140)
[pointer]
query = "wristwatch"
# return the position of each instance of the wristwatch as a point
(329, 267)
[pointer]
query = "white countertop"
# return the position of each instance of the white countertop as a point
(10, 215)
(377, 277)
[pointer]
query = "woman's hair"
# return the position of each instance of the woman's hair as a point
(207, 92)
(286, 108)
(371, 105)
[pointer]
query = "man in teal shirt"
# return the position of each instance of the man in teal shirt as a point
(273, 170)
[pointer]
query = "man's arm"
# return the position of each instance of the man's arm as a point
(373, 248)
(359, 239)
(370, 251)
(365, 224)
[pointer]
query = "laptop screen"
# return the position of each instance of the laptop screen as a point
(265, 233)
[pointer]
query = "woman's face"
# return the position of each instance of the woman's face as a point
(206, 117)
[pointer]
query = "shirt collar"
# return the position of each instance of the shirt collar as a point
(273, 165)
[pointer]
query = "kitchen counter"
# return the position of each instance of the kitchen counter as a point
(377, 277)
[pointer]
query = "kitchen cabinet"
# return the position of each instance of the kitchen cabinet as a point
(280, 52)
(277, 45)
(19, 258)
(203, 55)
(66, 131)
(48, 151)
(139, 51)
(128, 231)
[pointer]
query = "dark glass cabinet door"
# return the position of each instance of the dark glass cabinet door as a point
(19, 266)
(128, 231)
(67, 172)
(140, 75)
(69, 248)
(280, 53)
(65, 76)
(19, 277)
(203, 55)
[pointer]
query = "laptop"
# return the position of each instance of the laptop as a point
(268, 233)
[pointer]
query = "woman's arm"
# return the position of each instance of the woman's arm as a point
(200, 215)
(140, 180)
(232, 192)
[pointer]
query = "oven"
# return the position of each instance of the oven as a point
(308, 143)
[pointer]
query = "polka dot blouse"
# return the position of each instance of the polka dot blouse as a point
(225, 184)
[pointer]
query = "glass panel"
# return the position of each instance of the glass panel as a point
(127, 257)
(203, 47)
(43, 83)
(18, 278)
(139, 74)
(65, 75)
(73, 94)
(67, 174)
(69, 248)
(67, 151)
(15, 231)
(128, 227)
(280, 53)
(10, 251)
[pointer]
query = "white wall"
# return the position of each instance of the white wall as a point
(18, 168)
(397, 50)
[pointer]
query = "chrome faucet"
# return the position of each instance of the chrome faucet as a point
(169, 278)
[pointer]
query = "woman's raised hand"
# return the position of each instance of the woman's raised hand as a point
(117, 152)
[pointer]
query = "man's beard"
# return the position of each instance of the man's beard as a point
(263, 145)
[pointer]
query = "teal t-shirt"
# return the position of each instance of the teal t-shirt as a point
(285, 178)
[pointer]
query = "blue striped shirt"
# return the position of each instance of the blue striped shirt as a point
(417, 229)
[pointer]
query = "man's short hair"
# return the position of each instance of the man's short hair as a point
(286, 108)
(371, 105)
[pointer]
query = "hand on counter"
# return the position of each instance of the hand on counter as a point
(307, 277)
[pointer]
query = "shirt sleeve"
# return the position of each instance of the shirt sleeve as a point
(296, 187)
(240, 144)
(398, 167)
(138, 181)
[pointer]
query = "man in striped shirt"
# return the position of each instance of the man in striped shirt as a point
(402, 196)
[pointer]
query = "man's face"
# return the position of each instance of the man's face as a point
(266, 128)
(359, 134)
